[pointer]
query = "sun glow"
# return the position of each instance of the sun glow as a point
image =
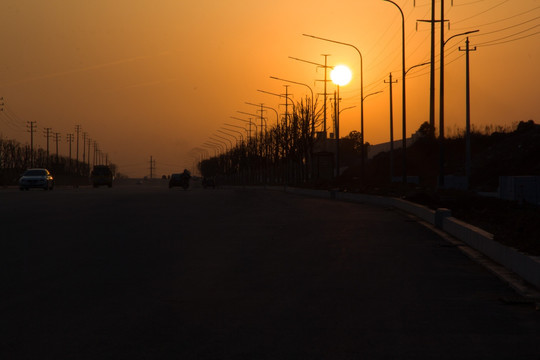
(341, 75)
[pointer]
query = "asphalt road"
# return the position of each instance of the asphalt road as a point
(144, 272)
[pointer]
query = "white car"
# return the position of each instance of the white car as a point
(36, 178)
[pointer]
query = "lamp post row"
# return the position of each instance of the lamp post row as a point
(404, 103)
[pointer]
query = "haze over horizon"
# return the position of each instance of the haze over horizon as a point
(157, 78)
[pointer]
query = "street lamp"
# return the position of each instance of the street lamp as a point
(347, 108)
(341, 75)
(361, 96)
(266, 107)
(216, 146)
(238, 132)
(441, 107)
(325, 66)
(228, 134)
(239, 127)
(312, 106)
(404, 103)
(256, 115)
(250, 123)
(221, 141)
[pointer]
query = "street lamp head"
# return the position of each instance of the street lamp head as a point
(341, 75)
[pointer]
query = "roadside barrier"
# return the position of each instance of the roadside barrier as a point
(526, 266)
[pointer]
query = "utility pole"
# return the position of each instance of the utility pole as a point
(69, 140)
(56, 139)
(89, 145)
(47, 132)
(286, 107)
(152, 166)
(468, 112)
(325, 94)
(95, 162)
(326, 80)
(441, 104)
(432, 67)
(77, 130)
(84, 136)
(31, 129)
(390, 82)
(336, 127)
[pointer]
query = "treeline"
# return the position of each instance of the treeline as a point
(274, 154)
(281, 154)
(15, 158)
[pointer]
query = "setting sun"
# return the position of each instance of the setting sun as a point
(341, 75)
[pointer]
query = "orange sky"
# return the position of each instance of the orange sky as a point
(157, 78)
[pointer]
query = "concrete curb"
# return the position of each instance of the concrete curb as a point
(526, 266)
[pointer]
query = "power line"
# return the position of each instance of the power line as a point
(502, 20)
(481, 13)
(511, 27)
(509, 36)
(490, 43)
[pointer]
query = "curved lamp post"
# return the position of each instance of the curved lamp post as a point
(441, 107)
(312, 106)
(238, 132)
(208, 146)
(249, 122)
(257, 116)
(361, 95)
(226, 139)
(228, 134)
(341, 76)
(404, 103)
(239, 127)
(214, 146)
(265, 107)
(221, 141)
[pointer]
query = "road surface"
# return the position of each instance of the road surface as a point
(147, 272)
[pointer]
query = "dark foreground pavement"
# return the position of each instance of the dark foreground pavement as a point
(149, 273)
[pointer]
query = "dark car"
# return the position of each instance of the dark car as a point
(181, 180)
(36, 178)
(101, 175)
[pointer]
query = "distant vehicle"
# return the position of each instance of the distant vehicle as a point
(208, 182)
(36, 178)
(180, 180)
(101, 175)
